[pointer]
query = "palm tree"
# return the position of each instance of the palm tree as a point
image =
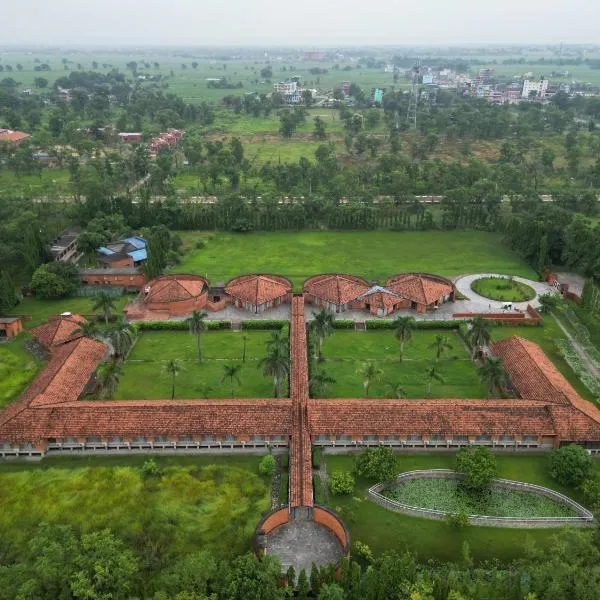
(441, 344)
(403, 327)
(493, 375)
(196, 323)
(87, 329)
(479, 334)
(172, 368)
(322, 326)
(370, 373)
(108, 378)
(395, 389)
(433, 373)
(245, 340)
(277, 365)
(121, 337)
(205, 390)
(105, 304)
(320, 383)
(231, 373)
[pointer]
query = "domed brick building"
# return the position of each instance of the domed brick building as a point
(421, 291)
(336, 292)
(176, 294)
(256, 293)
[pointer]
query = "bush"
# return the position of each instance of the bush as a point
(479, 467)
(377, 465)
(571, 465)
(54, 280)
(150, 469)
(267, 465)
(200, 244)
(363, 551)
(283, 497)
(341, 483)
(316, 457)
(389, 324)
(179, 325)
(458, 520)
(266, 324)
(344, 324)
(285, 460)
(242, 226)
(318, 490)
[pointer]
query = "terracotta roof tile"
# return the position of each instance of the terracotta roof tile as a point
(7, 135)
(176, 288)
(258, 289)
(58, 330)
(419, 287)
(336, 288)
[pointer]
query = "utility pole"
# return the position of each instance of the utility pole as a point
(413, 101)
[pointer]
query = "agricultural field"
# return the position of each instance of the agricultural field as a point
(17, 368)
(200, 502)
(347, 352)
(144, 375)
(372, 255)
(384, 530)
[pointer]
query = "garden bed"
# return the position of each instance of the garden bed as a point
(503, 289)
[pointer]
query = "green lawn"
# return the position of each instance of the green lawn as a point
(143, 376)
(17, 368)
(500, 288)
(40, 310)
(48, 182)
(201, 502)
(385, 530)
(346, 351)
(372, 254)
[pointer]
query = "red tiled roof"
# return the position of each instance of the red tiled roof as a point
(258, 289)
(337, 289)
(58, 330)
(419, 287)
(7, 135)
(175, 288)
(381, 298)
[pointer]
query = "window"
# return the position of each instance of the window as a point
(50, 441)
(139, 439)
(276, 438)
(414, 438)
(161, 439)
(322, 438)
(370, 438)
(483, 438)
(258, 438)
(391, 438)
(114, 439)
(460, 438)
(342, 438)
(26, 446)
(70, 440)
(229, 438)
(93, 439)
(507, 438)
(530, 438)
(209, 438)
(437, 438)
(6, 446)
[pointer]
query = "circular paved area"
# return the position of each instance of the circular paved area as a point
(463, 285)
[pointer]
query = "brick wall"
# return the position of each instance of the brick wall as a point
(129, 281)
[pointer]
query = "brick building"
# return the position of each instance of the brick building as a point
(10, 327)
(127, 252)
(127, 277)
(259, 292)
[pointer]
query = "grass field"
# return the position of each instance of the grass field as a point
(201, 502)
(374, 255)
(17, 368)
(48, 183)
(347, 351)
(384, 530)
(503, 289)
(143, 376)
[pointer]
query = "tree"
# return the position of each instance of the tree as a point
(250, 579)
(302, 588)
(319, 132)
(548, 302)
(395, 389)
(322, 327)
(277, 365)
(197, 324)
(433, 374)
(121, 336)
(403, 327)
(172, 368)
(341, 483)
(40, 82)
(54, 280)
(493, 375)
(231, 372)
(571, 465)
(441, 344)
(320, 383)
(267, 465)
(105, 304)
(331, 591)
(87, 329)
(380, 464)
(108, 376)
(479, 467)
(479, 334)
(370, 373)
(8, 292)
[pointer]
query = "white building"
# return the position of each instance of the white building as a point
(539, 87)
(286, 87)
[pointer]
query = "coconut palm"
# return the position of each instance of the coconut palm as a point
(105, 304)
(441, 344)
(231, 372)
(479, 334)
(370, 373)
(395, 389)
(196, 323)
(121, 337)
(322, 326)
(205, 390)
(433, 374)
(172, 368)
(493, 375)
(320, 383)
(245, 341)
(108, 375)
(87, 329)
(403, 327)
(276, 364)
(277, 342)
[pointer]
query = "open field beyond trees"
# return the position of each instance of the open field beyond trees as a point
(371, 254)
(144, 375)
(385, 530)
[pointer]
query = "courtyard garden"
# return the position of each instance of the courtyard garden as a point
(367, 364)
(163, 362)
(504, 289)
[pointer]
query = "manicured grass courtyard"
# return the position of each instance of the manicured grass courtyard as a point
(17, 368)
(144, 376)
(503, 289)
(385, 530)
(347, 351)
(375, 255)
(200, 502)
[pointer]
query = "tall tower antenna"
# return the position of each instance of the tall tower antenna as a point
(413, 101)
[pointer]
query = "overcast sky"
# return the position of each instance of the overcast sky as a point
(305, 22)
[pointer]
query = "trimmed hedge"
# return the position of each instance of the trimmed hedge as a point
(319, 495)
(285, 460)
(316, 457)
(283, 489)
(178, 325)
(266, 324)
(344, 324)
(372, 324)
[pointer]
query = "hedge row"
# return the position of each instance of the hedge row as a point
(266, 324)
(316, 457)
(283, 488)
(344, 324)
(285, 460)
(318, 490)
(372, 324)
(178, 325)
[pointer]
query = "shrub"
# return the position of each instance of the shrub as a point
(389, 324)
(341, 483)
(267, 465)
(283, 489)
(264, 324)
(285, 460)
(479, 467)
(363, 551)
(318, 490)
(54, 280)
(571, 465)
(179, 325)
(316, 457)
(458, 520)
(150, 469)
(380, 464)
(344, 324)
(242, 226)
(200, 244)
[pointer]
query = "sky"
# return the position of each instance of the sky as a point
(314, 23)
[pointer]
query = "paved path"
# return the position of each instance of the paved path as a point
(589, 363)
(463, 285)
